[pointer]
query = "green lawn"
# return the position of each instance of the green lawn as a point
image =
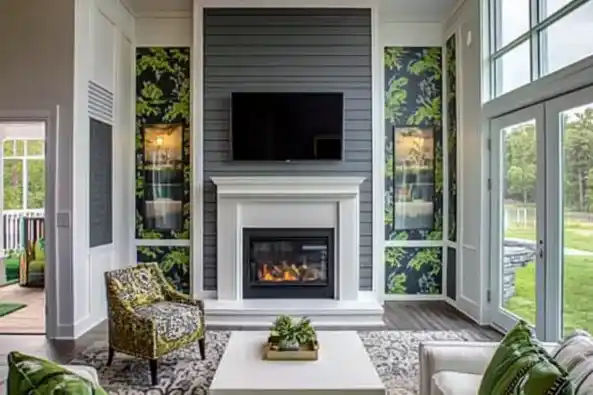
(578, 277)
(578, 293)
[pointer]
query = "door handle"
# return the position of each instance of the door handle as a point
(541, 249)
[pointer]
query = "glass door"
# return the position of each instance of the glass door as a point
(569, 131)
(517, 201)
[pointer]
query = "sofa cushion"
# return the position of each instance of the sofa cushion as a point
(521, 365)
(575, 354)
(173, 320)
(37, 376)
(455, 383)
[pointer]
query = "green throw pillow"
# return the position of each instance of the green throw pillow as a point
(36, 376)
(521, 365)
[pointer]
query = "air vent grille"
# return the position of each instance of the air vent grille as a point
(100, 103)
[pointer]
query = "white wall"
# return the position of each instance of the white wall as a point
(164, 31)
(103, 48)
(472, 272)
(36, 79)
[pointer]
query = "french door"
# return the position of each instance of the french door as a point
(542, 216)
(518, 201)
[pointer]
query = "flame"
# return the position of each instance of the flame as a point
(280, 273)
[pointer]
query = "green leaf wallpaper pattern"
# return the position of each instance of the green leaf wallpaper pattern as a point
(174, 262)
(413, 270)
(413, 98)
(451, 65)
(162, 97)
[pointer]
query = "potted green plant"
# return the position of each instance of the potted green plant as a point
(289, 334)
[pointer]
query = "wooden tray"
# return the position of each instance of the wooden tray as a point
(308, 352)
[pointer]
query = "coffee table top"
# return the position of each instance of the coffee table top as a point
(343, 365)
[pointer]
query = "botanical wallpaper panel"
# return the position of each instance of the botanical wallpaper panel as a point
(413, 115)
(162, 103)
(174, 262)
(413, 270)
(451, 65)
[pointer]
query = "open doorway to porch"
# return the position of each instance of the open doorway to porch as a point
(22, 252)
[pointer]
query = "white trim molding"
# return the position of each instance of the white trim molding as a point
(197, 155)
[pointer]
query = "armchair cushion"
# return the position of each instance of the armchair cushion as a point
(173, 320)
(138, 287)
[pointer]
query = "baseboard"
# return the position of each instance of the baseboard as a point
(79, 328)
(412, 298)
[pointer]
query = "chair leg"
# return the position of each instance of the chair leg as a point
(202, 344)
(110, 356)
(153, 372)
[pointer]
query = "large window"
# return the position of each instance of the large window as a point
(532, 38)
(24, 174)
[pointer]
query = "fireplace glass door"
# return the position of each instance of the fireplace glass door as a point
(288, 263)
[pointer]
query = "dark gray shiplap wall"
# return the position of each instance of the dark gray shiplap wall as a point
(287, 50)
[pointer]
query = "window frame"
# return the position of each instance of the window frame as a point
(24, 158)
(534, 35)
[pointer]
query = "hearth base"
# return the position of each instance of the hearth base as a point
(364, 312)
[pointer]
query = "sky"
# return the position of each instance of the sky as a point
(568, 40)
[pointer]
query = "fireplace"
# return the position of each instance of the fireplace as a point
(287, 263)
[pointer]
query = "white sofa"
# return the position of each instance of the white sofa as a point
(87, 372)
(455, 368)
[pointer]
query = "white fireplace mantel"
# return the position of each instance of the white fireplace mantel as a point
(290, 202)
(287, 202)
(293, 186)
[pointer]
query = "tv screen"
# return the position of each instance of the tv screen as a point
(287, 126)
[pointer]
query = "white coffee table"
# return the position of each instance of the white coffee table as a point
(343, 368)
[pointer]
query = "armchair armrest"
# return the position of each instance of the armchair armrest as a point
(173, 295)
(457, 356)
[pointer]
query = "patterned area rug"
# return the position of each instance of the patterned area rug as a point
(394, 354)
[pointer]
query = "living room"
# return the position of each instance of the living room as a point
(336, 160)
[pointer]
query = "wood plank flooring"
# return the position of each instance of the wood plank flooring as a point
(28, 320)
(398, 316)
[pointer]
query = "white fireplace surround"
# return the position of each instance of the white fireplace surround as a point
(289, 202)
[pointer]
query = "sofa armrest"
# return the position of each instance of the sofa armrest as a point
(456, 356)
(463, 357)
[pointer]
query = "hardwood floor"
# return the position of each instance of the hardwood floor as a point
(398, 316)
(28, 320)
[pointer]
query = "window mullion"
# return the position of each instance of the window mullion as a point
(534, 43)
(25, 180)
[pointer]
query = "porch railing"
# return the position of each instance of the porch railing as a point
(14, 231)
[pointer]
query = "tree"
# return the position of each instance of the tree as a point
(578, 159)
(13, 174)
(520, 162)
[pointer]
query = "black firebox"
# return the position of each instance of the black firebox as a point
(288, 263)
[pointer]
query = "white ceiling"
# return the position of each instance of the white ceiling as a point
(391, 10)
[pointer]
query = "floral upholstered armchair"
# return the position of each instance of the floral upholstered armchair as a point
(148, 318)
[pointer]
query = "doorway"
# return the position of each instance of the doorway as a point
(542, 216)
(22, 272)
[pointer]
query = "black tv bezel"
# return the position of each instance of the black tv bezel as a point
(342, 135)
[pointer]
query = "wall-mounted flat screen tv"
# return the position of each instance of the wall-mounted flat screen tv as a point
(287, 126)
